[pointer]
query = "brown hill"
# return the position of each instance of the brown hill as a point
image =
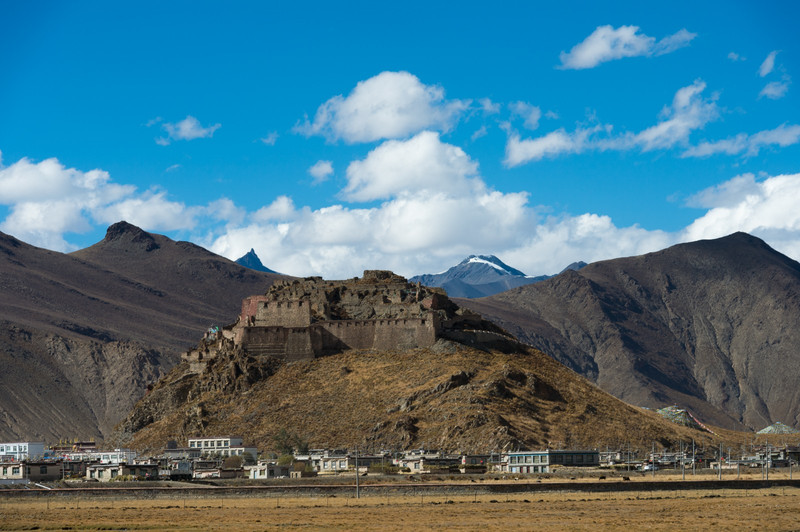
(712, 326)
(83, 334)
(449, 397)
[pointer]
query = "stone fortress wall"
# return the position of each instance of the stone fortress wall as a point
(303, 319)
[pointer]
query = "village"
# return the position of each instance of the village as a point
(227, 457)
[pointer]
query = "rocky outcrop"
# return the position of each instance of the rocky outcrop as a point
(452, 397)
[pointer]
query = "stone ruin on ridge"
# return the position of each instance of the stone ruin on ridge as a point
(305, 318)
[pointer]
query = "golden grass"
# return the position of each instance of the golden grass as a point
(769, 509)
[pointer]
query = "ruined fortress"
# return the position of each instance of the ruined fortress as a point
(303, 319)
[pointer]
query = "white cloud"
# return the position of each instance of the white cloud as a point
(689, 112)
(765, 208)
(387, 106)
(733, 56)
(607, 44)
(774, 90)
(749, 145)
(488, 107)
(270, 139)
(280, 210)
(224, 209)
(768, 65)
(421, 163)
(480, 132)
(420, 226)
(555, 143)
(321, 171)
(47, 200)
(187, 129)
(407, 234)
(151, 210)
(529, 113)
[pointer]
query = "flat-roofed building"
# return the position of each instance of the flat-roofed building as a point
(543, 461)
(222, 446)
(21, 450)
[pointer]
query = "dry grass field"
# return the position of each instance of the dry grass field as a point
(767, 509)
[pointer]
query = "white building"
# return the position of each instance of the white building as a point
(267, 470)
(24, 450)
(117, 456)
(543, 461)
(222, 445)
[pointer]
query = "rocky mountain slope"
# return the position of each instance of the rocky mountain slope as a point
(480, 276)
(449, 397)
(713, 326)
(83, 334)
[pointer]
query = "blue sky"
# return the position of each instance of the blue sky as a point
(334, 138)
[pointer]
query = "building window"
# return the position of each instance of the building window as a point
(43, 470)
(113, 473)
(15, 470)
(91, 473)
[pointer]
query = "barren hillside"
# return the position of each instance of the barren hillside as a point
(83, 334)
(713, 326)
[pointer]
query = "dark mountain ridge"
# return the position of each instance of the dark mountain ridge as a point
(84, 333)
(712, 325)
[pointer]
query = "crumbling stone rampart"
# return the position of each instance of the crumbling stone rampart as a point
(302, 319)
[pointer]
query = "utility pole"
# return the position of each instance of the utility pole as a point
(653, 460)
(358, 493)
(683, 463)
(768, 461)
(719, 463)
(693, 457)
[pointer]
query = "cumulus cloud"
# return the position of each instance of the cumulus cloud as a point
(765, 208)
(150, 210)
(404, 234)
(419, 226)
(689, 111)
(768, 64)
(774, 90)
(489, 107)
(321, 171)
(422, 163)
(47, 200)
(187, 129)
(529, 113)
(733, 56)
(607, 44)
(390, 105)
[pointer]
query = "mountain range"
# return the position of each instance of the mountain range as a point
(713, 326)
(482, 275)
(82, 335)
